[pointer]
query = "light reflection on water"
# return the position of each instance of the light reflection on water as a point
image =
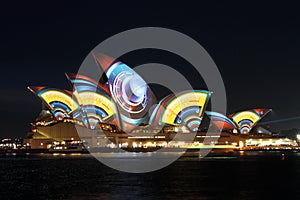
(192, 157)
(235, 175)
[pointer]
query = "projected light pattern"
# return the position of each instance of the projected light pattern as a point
(124, 100)
(185, 108)
(220, 121)
(101, 104)
(59, 102)
(246, 120)
(94, 100)
(187, 115)
(84, 83)
(130, 92)
(60, 110)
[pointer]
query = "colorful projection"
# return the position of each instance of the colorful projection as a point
(246, 120)
(97, 107)
(185, 108)
(94, 99)
(220, 121)
(131, 93)
(125, 100)
(84, 83)
(59, 102)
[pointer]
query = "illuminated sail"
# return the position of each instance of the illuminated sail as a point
(185, 108)
(94, 99)
(60, 102)
(220, 121)
(130, 92)
(84, 83)
(246, 120)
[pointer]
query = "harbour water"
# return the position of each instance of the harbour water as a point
(238, 175)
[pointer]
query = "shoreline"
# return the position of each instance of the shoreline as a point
(152, 150)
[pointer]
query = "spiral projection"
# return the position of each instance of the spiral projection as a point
(185, 108)
(124, 100)
(129, 90)
(131, 93)
(246, 120)
(59, 102)
(189, 116)
(94, 99)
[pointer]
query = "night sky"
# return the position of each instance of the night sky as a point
(256, 48)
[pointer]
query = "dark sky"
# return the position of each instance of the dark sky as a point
(256, 47)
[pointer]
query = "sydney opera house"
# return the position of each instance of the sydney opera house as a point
(122, 112)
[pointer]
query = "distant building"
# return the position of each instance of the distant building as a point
(291, 133)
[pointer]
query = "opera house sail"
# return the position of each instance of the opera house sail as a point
(243, 121)
(122, 111)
